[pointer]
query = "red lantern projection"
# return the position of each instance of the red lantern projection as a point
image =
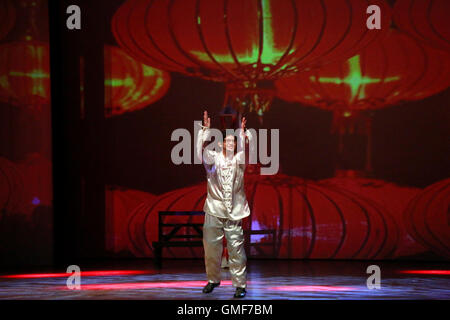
(390, 70)
(25, 74)
(426, 20)
(391, 197)
(427, 218)
(25, 83)
(25, 62)
(7, 17)
(25, 78)
(122, 203)
(244, 43)
(290, 218)
(130, 85)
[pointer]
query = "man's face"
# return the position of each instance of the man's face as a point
(229, 143)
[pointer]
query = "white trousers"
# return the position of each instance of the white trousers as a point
(214, 229)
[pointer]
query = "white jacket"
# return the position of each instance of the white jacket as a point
(226, 195)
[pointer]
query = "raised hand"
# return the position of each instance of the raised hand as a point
(243, 123)
(206, 119)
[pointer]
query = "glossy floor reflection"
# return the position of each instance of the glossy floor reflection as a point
(267, 279)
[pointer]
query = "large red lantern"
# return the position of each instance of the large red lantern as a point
(309, 220)
(25, 78)
(427, 218)
(391, 197)
(25, 62)
(121, 203)
(388, 71)
(426, 20)
(25, 83)
(25, 74)
(129, 84)
(244, 43)
(7, 17)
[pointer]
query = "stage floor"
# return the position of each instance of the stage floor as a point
(267, 280)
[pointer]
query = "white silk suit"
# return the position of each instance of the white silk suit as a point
(225, 207)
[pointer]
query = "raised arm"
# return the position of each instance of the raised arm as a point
(241, 140)
(242, 137)
(207, 156)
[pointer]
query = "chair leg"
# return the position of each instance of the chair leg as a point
(158, 256)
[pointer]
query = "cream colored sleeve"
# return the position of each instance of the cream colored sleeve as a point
(241, 154)
(207, 156)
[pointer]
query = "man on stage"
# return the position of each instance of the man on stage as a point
(225, 207)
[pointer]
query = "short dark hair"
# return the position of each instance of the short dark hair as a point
(224, 134)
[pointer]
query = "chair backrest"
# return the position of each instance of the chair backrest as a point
(171, 222)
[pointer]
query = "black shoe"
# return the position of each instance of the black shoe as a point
(240, 292)
(210, 287)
